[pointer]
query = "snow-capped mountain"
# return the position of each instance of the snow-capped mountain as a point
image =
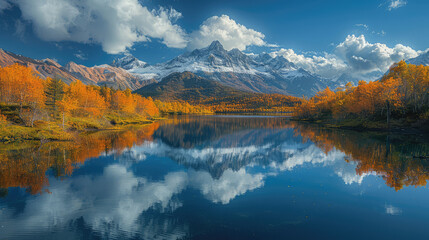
(233, 68)
(422, 59)
(128, 62)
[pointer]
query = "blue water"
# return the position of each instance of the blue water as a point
(228, 178)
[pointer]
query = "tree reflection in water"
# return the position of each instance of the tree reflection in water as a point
(227, 142)
(219, 157)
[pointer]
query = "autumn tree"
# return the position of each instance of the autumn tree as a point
(89, 100)
(403, 92)
(66, 106)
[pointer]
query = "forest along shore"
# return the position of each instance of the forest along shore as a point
(32, 108)
(399, 100)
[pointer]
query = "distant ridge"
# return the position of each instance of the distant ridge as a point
(45, 68)
(189, 87)
(98, 75)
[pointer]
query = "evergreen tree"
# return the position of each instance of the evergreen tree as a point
(54, 92)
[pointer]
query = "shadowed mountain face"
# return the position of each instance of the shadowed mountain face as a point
(263, 74)
(104, 75)
(188, 87)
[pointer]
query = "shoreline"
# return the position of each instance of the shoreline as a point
(24, 133)
(361, 128)
(17, 133)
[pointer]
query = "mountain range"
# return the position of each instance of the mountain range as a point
(218, 69)
(104, 75)
(261, 73)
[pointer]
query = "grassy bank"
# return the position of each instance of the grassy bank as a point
(13, 129)
(361, 124)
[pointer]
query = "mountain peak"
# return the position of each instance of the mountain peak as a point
(216, 45)
(128, 62)
(52, 61)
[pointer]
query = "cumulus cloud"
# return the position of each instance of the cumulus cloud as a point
(228, 32)
(354, 56)
(125, 198)
(116, 24)
(364, 57)
(394, 4)
(230, 185)
(326, 66)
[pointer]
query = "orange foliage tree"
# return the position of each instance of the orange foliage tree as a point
(404, 92)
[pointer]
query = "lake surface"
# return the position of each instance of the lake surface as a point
(217, 177)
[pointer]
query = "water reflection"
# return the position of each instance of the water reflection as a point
(26, 164)
(136, 183)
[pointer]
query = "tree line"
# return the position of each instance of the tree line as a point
(401, 94)
(52, 100)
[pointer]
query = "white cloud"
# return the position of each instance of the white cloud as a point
(326, 66)
(364, 57)
(230, 185)
(362, 25)
(228, 32)
(115, 24)
(394, 4)
(110, 204)
(354, 56)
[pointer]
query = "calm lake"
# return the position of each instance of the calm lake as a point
(217, 177)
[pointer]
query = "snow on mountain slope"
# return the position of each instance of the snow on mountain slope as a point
(128, 62)
(233, 68)
(422, 59)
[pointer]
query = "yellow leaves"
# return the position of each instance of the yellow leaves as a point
(177, 107)
(405, 88)
(19, 85)
(89, 100)
(3, 119)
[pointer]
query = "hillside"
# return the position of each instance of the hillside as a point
(45, 68)
(188, 87)
(105, 75)
(191, 88)
(98, 75)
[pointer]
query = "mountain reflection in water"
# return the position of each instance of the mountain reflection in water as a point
(148, 183)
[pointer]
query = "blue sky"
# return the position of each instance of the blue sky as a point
(167, 28)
